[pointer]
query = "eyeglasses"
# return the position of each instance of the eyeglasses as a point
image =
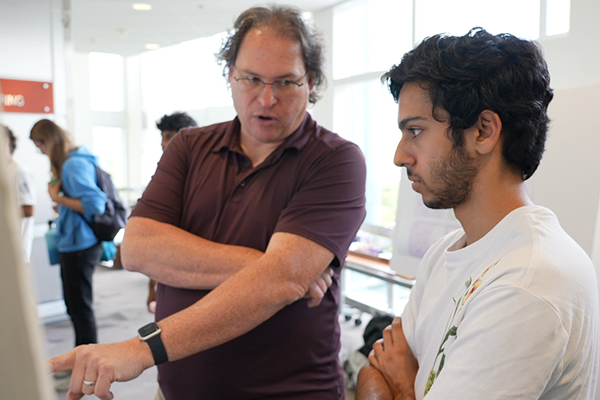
(282, 89)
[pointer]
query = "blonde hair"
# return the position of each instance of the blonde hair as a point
(57, 141)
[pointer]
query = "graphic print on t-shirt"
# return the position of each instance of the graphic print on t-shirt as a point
(452, 327)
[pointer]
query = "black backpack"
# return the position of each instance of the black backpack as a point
(107, 225)
(374, 332)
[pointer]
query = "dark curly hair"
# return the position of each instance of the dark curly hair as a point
(175, 122)
(479, 71)
(12, 139)
(289, 22)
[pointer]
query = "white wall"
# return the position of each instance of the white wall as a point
(568, 179)
(323, 110)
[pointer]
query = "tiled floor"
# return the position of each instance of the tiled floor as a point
(120, 305)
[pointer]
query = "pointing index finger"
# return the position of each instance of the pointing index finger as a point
(63, 362)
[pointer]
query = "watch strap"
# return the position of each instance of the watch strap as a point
(156, 344)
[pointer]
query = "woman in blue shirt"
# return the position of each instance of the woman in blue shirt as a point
(73, 188)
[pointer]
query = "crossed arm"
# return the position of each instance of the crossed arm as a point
(193, 262)
(267, 283)
(392, 368)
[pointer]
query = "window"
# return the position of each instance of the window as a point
(183, 77)
(458, 16)
(106, 82)
(369, 36)
(558, 17)
(108, 144)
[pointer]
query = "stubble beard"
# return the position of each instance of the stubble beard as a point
(455, 175)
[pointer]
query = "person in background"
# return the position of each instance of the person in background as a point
(245, 225)
(23, 184)
(168, 125)
(74, 189)
(507, 306)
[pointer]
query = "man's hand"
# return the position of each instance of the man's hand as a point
(394, 359)
(101, 365)
(317, 289)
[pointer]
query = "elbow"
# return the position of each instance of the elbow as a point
(135, 248)
(93, 208)
(129, 258)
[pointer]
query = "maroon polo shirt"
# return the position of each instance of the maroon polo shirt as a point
(313, 186)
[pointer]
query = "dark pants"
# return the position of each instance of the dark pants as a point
(76, 270)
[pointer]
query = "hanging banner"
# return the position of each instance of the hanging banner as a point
(26, 96)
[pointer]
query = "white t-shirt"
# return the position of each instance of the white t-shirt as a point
(23, 183)
(511, 316)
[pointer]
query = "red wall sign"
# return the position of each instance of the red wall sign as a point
(26, 96)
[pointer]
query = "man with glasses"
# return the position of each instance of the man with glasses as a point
(246, 225)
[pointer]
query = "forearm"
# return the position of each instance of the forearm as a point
(244, 301)
(28, 211)
(372, 385)
(251, 296)
(73, 204)
(178, 258)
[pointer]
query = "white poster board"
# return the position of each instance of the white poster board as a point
(23, 371)
(417, 228)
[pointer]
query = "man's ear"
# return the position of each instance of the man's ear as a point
(489, 129)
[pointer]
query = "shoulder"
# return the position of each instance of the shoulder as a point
(546, 250)
(333, 140)
(325, 149)
(192, 140)
(77, 165)
(203, 133)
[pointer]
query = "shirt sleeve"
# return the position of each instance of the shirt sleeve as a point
(508, 345)
(79, 182)
(330, 205)
(163, 198)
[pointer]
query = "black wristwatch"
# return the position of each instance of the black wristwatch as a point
(151, 334)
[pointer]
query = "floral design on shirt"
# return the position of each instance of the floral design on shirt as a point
(451, 329)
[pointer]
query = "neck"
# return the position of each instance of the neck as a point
(489, 204)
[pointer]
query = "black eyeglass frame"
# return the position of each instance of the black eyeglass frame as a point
(285, 82)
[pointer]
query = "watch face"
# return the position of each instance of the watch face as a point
(148, 329)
